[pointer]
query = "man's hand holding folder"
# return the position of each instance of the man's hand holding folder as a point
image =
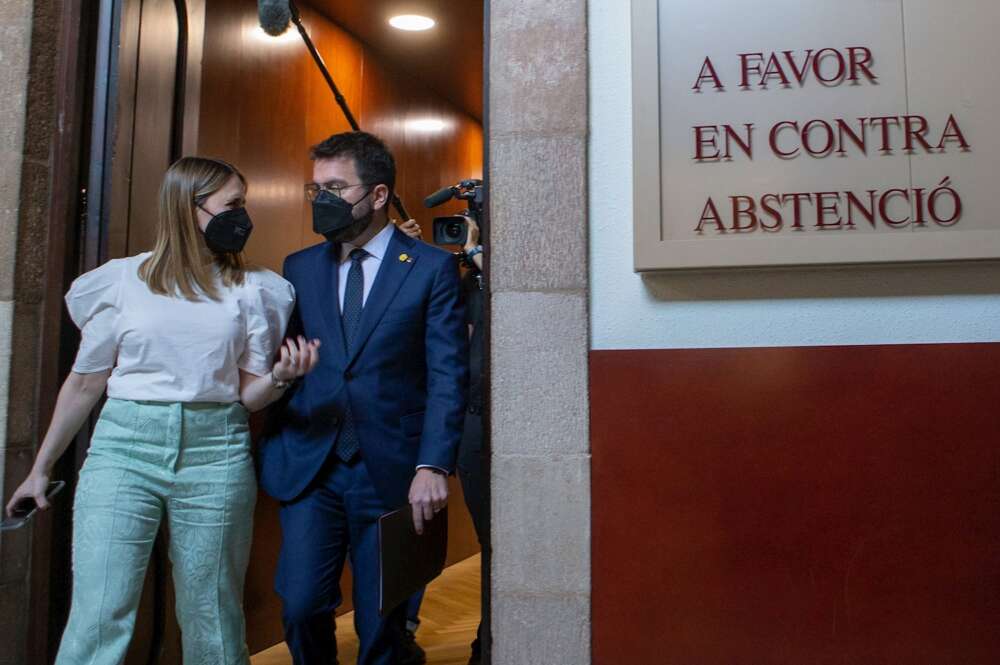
(428, 495)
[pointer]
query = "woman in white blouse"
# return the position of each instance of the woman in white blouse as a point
(184, 340)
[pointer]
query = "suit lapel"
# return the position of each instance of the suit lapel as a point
(328, 273)
(389, 278)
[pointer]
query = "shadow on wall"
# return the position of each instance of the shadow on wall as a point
(890, 281)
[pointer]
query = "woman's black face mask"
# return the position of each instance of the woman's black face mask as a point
(333, 217)
(228, 231)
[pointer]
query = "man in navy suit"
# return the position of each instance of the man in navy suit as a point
(378, 421)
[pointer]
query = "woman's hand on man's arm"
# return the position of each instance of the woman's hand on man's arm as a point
(298, 357)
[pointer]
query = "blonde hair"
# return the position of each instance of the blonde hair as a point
(177, 263)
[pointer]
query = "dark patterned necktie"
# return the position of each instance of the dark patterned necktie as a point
(348, 443)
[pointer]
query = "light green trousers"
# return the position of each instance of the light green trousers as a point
(189, 464)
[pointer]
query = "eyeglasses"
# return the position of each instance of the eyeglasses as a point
(314, 188)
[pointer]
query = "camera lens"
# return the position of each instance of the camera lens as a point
(453, 230)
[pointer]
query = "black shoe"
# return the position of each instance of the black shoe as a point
(410, 653)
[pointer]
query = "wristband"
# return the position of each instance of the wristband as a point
(478, 249)
(278, 385)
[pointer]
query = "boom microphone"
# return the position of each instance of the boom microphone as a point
(439, 197)
(275, 15)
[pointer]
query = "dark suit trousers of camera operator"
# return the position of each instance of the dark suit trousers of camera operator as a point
(387, 397)
(470, 450)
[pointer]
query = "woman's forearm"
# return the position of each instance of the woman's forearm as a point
(77, 397)
(297, 358)
(257, 392)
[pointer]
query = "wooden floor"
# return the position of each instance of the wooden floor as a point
(448, 621)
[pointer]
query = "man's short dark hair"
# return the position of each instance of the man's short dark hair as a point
(372, 158)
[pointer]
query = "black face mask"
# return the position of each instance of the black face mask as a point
(228, 231)
(333, 218)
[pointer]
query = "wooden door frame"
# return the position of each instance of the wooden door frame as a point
(114, 108)
(50, 561)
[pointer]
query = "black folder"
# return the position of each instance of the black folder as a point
(408, 562)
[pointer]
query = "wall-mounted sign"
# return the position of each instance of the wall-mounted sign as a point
(820, 132)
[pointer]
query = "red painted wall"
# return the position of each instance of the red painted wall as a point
(827, 505)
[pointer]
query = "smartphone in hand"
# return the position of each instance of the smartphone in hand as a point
(26, 508)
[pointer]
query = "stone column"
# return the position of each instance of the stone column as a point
(540, 481)
(28, 46)
(15, 55)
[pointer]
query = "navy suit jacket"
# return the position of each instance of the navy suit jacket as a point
(404, 378)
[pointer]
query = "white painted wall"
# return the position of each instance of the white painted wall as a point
(829, 306)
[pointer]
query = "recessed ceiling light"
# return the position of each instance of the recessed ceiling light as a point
(426, 124)
(412, 22)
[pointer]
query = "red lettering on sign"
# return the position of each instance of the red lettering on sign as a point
(771, 211)
(823, 209)
(860, 58)
(853, 202)
(830, 66)
(747, 211)
(710, 214)
(701, 141)
(746, 68)
(952, 133)
(707, 73)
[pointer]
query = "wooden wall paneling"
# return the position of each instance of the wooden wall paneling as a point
(271, 137)
(449, 57)
(345, 59)
(382, 110)
(222, 80)
(427, 161)
(192, 75)
(153, 120)
(462, 541)
(115, 241)
(432, 160)
(260, 602)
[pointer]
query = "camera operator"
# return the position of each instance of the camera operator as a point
(470, 449)
(470, 462)
(461, 229)
(472, 252)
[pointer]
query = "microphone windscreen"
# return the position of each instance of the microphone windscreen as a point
(274, 16)
(439, 197)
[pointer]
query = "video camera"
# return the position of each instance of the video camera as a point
(452, 229)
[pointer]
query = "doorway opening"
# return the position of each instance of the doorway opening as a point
(177, 77)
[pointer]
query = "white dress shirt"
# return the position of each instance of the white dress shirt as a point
(376, 248)
(171, 349)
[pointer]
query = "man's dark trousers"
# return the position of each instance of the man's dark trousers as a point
(337, 515)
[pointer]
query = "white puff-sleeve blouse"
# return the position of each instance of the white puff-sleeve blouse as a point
(171, 349)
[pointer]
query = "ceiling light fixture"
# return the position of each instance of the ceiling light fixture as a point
(412, 22)
(426, 125)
